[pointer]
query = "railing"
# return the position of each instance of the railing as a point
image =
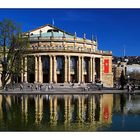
(48, 38)
(64, 48)
(68, 49)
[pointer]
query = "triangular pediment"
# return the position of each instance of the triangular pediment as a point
(47, 30)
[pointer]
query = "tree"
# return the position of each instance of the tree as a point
(13, 45)
(122, 80)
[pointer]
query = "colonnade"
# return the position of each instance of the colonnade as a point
(67, 69)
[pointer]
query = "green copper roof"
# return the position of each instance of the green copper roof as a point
(55, 34)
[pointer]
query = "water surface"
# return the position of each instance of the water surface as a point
(98, 112)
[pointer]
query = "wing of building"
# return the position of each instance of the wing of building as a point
(61, 57)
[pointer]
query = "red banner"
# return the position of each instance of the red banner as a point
(106, 65)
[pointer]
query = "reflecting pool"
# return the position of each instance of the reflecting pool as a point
(98, 112)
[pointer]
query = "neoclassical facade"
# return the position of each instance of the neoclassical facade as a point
(61, 57)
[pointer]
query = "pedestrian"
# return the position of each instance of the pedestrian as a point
(52, 87)
(13, 86)
(72, 85)
(46, 87)
(40, 87)
(36, 87)
(128, 87)
(31, 87)
(6, 88)
(21, 87)
(133, 87)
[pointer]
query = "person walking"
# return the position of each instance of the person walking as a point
(128, 87)
(21, 87)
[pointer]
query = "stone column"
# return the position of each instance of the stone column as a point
(40, 70)
(79, 69)
(54, 70)
(25, 72)
(93, 69)
(50, 69)
(36, 69)
(82, 69)
(110, 65)
(66, 69)
(101, 68)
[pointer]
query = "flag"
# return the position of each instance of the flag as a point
(106, 66)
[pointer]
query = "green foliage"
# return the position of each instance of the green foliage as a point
(31, 64)
(13, 46)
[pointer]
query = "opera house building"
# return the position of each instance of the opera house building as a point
(62, 57)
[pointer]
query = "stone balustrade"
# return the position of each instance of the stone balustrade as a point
(78, 40)
(68, 49)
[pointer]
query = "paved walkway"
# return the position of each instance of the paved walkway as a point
(67, 91)
(61, 89)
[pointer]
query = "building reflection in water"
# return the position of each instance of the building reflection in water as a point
(24, 108)
(68, 112)
(53, 110)
(90, 108)
(38, 109)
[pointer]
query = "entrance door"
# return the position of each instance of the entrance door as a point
(45, 78)
(58, 78)
(86, 78)
(31, 78)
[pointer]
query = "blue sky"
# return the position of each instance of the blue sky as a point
(115, 29)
